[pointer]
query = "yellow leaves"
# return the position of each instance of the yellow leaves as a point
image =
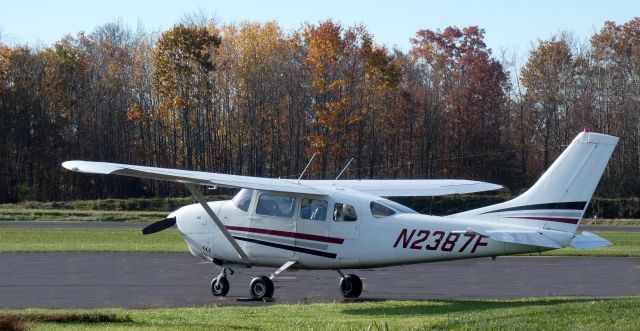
(546, 66)
(115, 70)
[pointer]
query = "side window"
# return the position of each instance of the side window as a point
(312, 209)
(275, 205)
(343, 212)
(379, 210)
(242, 200)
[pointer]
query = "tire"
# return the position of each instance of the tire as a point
(261, 287)
(351, 286)
(219, 286)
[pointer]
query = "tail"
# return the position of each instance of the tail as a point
(558, 200)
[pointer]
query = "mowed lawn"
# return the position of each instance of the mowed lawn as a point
(626, 244)
(511, 314)
(89, 240)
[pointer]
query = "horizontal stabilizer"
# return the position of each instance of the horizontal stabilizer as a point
(588, 240)
(518, 237)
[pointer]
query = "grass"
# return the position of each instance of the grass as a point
(131, 204)
(510, 314)
(25, 214)
(89, 240)
(131, 240)
(611, 221)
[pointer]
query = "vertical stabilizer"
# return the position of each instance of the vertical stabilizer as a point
(560, 197)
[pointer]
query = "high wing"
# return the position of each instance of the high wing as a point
(191, 177)
(386, 188)
(408, 187)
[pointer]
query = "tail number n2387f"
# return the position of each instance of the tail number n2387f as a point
(443, 241)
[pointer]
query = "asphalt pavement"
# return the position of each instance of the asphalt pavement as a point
(143, 280)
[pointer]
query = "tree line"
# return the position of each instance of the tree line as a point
(252, 99)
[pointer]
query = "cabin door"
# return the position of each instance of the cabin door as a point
(272, 227)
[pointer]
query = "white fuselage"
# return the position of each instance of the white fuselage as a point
(368, 241)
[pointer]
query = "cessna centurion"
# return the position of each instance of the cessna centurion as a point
(347, 224)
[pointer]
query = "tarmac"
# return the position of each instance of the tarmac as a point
(145, 280)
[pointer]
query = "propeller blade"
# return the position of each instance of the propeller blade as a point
(159, 225)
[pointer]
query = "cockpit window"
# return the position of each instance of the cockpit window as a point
(379, 210)
(276, 205)
(343, 212)
(397, 207)
(384, 208)
(242, 200)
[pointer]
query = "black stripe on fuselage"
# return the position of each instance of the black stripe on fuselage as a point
(287, 247)
(576, 205)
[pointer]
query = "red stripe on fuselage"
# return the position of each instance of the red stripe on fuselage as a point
(304, 236)
(552, 219)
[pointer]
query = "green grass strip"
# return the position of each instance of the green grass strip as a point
(511, 314)
(40, 215)
(626, 244)
(89, 240)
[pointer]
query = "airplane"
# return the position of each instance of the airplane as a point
(350, 224)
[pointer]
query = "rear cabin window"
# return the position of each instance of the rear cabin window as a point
(276, 205)
(343, 212)
(313, 209)
(242, 200)
(379, 210)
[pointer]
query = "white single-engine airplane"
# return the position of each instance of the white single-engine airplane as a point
(346, 224)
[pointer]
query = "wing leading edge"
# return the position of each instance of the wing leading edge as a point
(386, 188)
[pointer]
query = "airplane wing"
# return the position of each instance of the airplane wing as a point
(386, 188)
(191, 177)
(409, 187)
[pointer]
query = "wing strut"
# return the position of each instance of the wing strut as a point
(217, 221)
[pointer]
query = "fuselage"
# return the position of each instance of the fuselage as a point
(344, 229)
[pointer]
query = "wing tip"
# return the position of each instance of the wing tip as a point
(71, 165)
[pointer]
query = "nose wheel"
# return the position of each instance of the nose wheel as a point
(220, 285)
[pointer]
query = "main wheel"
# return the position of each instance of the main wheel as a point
(261, 287)
(219, 286)
(351, 286)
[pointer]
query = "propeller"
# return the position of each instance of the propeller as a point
(159, 225)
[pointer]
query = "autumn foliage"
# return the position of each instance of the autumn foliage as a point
(252, 99)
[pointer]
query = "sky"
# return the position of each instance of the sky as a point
(513, 26)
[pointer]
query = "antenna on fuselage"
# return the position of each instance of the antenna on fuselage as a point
(305, 168)
(340, 174)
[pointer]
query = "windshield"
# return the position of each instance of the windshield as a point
(242, 200)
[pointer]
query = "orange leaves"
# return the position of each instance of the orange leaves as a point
(324, 46)
(134, 113)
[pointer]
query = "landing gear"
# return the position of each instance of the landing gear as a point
(350, 285)
(220, 284)
(261, 287)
